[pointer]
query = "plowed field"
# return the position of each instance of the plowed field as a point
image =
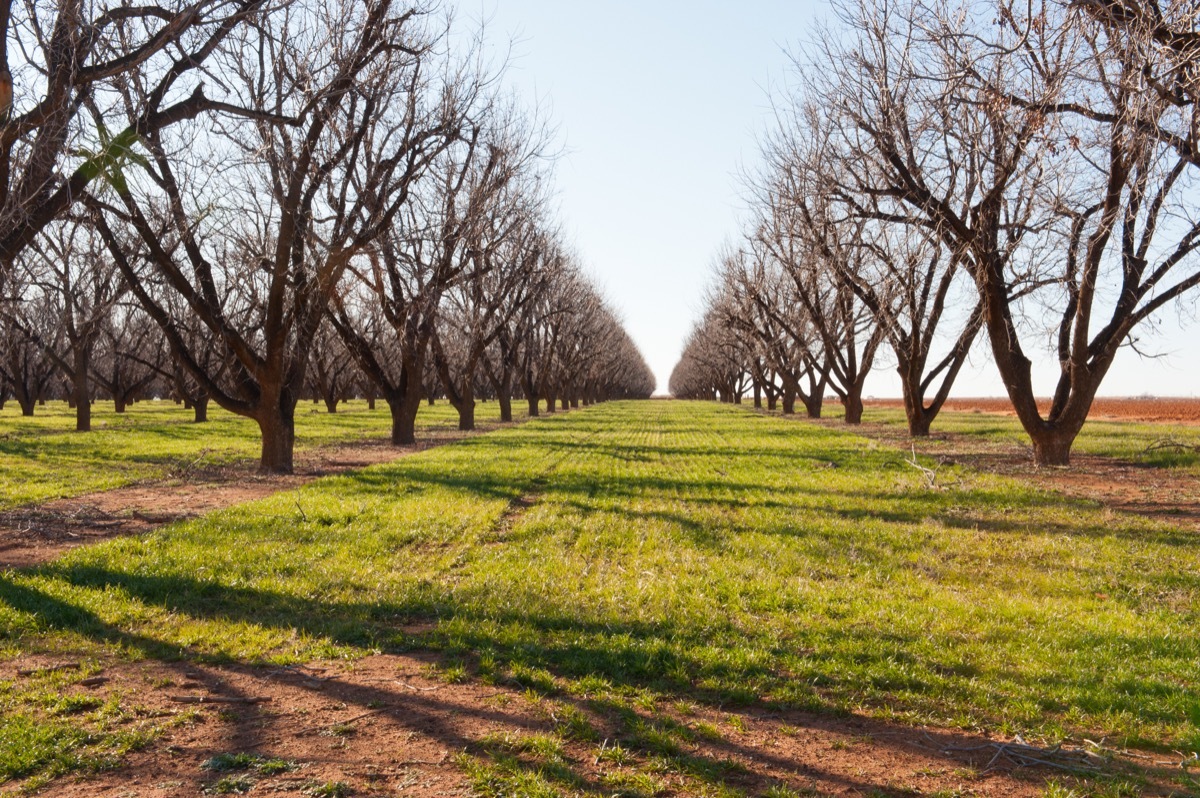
(1177, 410)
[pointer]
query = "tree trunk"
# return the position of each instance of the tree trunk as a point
(574, 402)
(83, 402)
(813, 405)
(26, 406)
(772, 401)
(854, 407)
(505, 407)
(919, 423)
(550, 404)
(789, 403)
(466, 415)
(119, 403)
(200, 410)
(565, 404)
(278, 442)
(757, 396)
(404, 411)
(534, 405)
(331, 403)
(1052, 447)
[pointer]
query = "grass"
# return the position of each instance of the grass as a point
(668, 554)
(43, 458)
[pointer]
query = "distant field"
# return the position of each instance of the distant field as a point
(1173, 444)
(634, 559)
(1165, 409)
(44, 458)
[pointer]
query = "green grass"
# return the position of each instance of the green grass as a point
(43, 458)
(674, 554)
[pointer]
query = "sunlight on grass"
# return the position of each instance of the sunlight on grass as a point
(42, 457)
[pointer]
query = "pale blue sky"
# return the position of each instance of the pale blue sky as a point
(658, 104)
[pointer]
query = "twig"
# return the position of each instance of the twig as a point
(930, 474)
(418, 689)
(368, 714)
(66, 666)
(1019, 753)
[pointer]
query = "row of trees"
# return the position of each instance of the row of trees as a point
(942, 169)
(288, 193)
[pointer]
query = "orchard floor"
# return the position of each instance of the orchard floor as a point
(36, 533)
(634, 599)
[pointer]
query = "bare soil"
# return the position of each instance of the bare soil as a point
(385, 725)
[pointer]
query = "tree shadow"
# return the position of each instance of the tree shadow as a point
(627, 658)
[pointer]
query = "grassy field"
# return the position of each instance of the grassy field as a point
(645, 554)
(44, 458)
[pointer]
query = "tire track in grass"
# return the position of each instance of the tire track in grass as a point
(522, 504)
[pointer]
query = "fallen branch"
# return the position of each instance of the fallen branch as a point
(930, 474)
(1170, 443)
(217, 699)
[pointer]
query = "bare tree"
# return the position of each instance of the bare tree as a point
(504, 278)
(58, 64)
(79, 284)
(252, 223)
(1036, 151)
(26, 368)
(756, 298)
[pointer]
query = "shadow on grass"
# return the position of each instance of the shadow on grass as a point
(548, 656)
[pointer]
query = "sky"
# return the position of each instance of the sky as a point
(658, 104)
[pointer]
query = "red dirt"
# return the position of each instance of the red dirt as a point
(1160, 410)
(384, 726)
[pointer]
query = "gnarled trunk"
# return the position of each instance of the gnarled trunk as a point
(404, 410)
(813, 404)
(1052, 446)
(853, 405)
(278, 442)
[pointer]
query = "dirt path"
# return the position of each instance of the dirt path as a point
(35, 534)
(386, 725)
